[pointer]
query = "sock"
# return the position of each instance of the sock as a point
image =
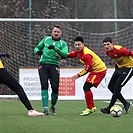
(89, 99)
(52, 106)
(45, 108)
(44, 94)
(54, 98)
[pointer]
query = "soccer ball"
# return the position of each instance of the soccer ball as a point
(116, 111)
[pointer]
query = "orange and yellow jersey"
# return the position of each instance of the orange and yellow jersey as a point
(89, 59)
(1, 64)
(121, 56)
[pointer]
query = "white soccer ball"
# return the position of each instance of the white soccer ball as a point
(116, 111)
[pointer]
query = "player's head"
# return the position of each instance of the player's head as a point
(56, 32)
(79, 43)
(107, 39)
(108, 43)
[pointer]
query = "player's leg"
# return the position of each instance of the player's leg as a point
(124, 75)
(88, 95)
(8, 80)
(129, 72)
(54, 81)
(44, 76)
(88, 98)
(112, 83)
(93, 79)
(112, 86)
(116, 82)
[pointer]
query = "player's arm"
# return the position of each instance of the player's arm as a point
(126, 52)
(39, 48)
(88, 65)
(130, 53)
(63, 52)
(72, 54)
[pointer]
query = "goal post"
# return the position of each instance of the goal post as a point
(19, 36)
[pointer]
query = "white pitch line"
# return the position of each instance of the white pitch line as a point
(13, 116)
(115, 102)
(118, 102)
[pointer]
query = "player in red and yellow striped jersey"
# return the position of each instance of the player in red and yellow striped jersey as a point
(123, 72)
(96, 68)
(7, 79)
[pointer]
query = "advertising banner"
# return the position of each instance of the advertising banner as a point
(68, 88)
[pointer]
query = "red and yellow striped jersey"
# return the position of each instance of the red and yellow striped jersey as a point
(121, 56)
(92, 62)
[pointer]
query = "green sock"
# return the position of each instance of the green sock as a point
(45, 108)
(44, 94)
(54, 98)
(52, 106)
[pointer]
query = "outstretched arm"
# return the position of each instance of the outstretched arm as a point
(88, 67)
(72, 54)
(126, 52)
(131, 53)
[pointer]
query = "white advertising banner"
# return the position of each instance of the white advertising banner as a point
(69, 89)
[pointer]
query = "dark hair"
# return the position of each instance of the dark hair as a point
(57, 26)
(107, 39)
(79, 38)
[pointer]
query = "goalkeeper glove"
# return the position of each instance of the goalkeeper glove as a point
(4, 55)
(51, 47)
(39, 52)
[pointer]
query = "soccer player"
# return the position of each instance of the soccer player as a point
(51, 49)
(122, 74)
(96, 68)
(7, 79)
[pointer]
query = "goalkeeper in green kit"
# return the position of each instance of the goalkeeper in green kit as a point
(51, 49)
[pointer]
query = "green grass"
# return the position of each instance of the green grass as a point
(14, 119)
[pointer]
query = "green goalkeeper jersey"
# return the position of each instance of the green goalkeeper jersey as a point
(50, 56)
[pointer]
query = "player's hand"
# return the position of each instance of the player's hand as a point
(74, 77)
(51, 47)
(39, 52)
(4, 55)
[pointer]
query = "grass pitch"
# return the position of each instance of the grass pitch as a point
(14, 119)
